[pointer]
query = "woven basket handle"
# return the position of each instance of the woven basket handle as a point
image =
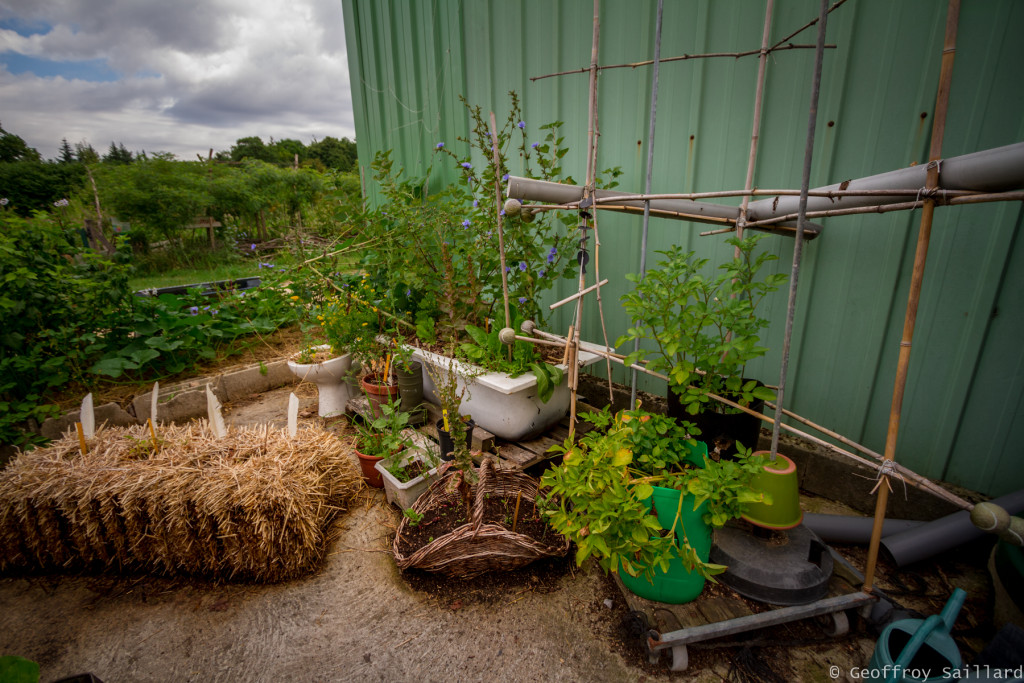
(482, 487)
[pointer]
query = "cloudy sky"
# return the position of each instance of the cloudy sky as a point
(172, 75)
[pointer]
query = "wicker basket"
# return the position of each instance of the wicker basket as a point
(477, 547)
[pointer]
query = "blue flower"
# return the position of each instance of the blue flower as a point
(542, 272)
(440, 145)
(476, 203)
(252, 247)
(552, 255)
(408, 292)
(507, 269)
(194, 310)
(466, 165)
(522, 299)
(505, 177)
(502, 213)
(535, 145)
(266, 265)
(521, 124)
(214, 312)
(465, 224)
(522, 266)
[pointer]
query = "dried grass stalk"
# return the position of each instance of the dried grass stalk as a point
(253, 506)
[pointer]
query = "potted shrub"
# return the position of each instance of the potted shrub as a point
(640, 495)
(704, 330)
(380, 438)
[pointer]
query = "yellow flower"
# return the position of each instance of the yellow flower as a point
(364, 324)
(295, 298)
(374, 310)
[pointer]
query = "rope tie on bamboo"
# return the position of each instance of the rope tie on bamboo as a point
(886, 470)
(930, 192)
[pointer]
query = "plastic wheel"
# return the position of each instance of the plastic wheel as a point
(834, 624)
(680, 658)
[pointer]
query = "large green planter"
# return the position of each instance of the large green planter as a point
(677, 585)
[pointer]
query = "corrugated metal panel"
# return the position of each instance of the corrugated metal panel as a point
(962, 416)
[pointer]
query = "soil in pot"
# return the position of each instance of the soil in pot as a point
(378, 392)
(409, 472)
(444, 439)
(437, 522)
(721, 431)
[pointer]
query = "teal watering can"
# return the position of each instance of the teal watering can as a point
(916, 650)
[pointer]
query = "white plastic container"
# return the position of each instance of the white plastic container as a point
(404, 494)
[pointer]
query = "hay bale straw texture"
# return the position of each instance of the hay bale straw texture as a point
(253, 506)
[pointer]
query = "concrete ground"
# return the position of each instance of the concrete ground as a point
(358, 618)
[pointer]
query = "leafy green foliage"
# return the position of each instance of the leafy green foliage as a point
(704, 328)
(382, 436)
(488, 351)
(69, 316)
(596, 496)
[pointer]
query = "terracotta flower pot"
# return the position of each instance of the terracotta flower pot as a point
(367, 466)
(377, 392)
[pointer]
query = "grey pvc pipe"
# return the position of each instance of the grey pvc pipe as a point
(847, 529)
(992, 170)
(943, 534)
(547, 192)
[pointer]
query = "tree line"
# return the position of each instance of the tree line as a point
(30, 183)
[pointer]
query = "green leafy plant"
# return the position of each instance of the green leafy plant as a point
(488, 351)
(382, 436)
(595, 497)
(704, 328)
(414, 517)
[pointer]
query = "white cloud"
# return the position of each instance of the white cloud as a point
(195, 73)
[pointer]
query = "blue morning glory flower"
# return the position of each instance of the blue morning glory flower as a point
(466, 165)
(522, 299)
(408, 292)
(502, 212)
(535, 145)
(440, 145)
(522, 266)
(543, 272)
(476, 203)
(505, 177)
(252, 247)
(521, 124)
(465, 223)
(194, 310)
(552, 255)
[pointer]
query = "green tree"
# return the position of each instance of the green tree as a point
(13, 148)
(67, 155)
(251, 148)
(117, 154)
(85, 153)
(339, 155)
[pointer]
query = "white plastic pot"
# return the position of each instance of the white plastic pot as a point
(404, 494)
(331, 379)
(508, 407)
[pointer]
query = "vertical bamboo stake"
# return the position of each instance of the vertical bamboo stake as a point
(588, 191)
(647, 183)
(152, 434)
(515, 518)
(756, 132)
(501, 234)
(81, 438)
(794, 276)
(914, 297)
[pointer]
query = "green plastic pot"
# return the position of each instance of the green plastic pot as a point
(678, 585)
(779, 480)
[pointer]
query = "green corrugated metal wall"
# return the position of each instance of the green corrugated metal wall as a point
(963, 419)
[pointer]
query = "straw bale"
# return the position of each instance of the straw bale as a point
(253, 506)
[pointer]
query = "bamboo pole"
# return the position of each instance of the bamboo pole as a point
(577, 295)
(647, 182)
(794, 277)
(574, 366)
(916, 280)
(501, 234)
(762, 64)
